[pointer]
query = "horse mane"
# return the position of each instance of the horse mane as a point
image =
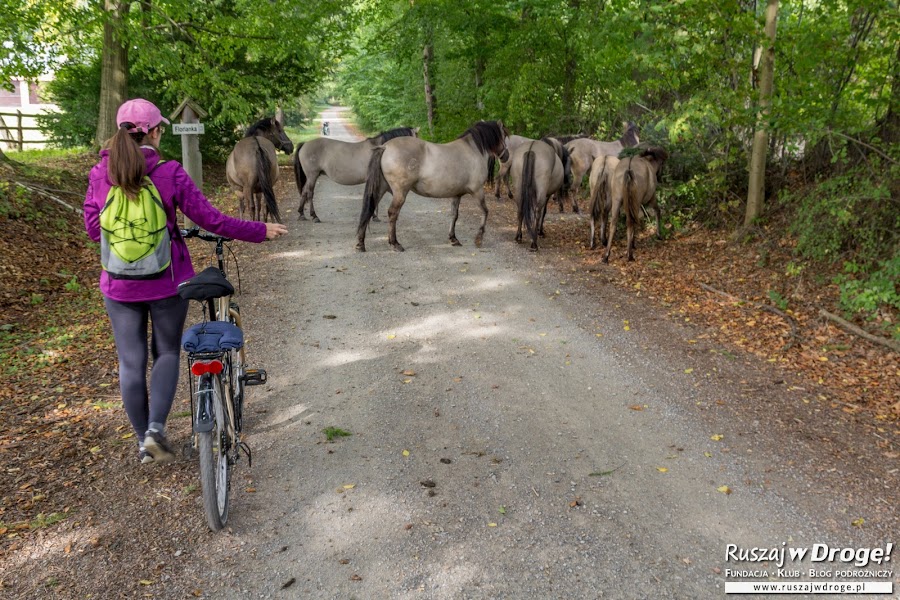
(488, 136)
(655, 153)
(384, 136)
(630, 137)
(260, 126)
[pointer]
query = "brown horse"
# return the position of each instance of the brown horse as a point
(634, 185)
(342, 162)
(585, 151)
(449, 170)
(252, 167)
(538, 173)
(601, 175)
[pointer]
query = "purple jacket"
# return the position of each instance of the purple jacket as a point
(177, 189)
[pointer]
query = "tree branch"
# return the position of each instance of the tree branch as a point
(848, 326)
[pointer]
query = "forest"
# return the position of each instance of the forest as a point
(690, 73)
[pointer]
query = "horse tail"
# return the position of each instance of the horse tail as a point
(492, 163)
(299, 174)
(263, 168)
(632, 202)
(373, 191)
(528, 195)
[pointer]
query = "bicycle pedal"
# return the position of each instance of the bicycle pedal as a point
(255, 377)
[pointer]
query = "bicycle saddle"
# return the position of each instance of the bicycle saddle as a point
(210, 283)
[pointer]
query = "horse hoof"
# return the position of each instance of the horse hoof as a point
(455, 242)
(630, 259)
(605, 260)
(575, 209)
(316, 220)
(376, 219)
(533, 248)
(478, 241)
(360, 247)
(593, 246)
(301, 217)
(397, 247)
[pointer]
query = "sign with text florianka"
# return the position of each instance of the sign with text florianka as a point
(187, 128)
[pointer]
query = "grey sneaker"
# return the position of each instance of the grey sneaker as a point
(158, 447)
(144, 456)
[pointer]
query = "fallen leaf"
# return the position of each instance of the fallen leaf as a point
(407, 381)
(707, 454)
(492, 524)
(349, 486)
(145, 582)
(688, 371)
(662, 469)
(858, 522)
(344, 561)
(408, 373)
(250, 490)
(636, 407)
(716, 437)
(724, 489)
(502, 510)
(406, 453)
(288, 583)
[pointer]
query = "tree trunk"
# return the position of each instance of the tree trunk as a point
(479, 83)
(114, 73)
(430, 101)
(890, 125)
(757, 181)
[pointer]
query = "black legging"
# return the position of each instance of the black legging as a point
(129, 323)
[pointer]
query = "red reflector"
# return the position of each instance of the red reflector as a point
(203, 367)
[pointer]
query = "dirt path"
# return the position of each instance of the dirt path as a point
(512, 436)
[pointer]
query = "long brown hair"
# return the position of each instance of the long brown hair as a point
(126, 165)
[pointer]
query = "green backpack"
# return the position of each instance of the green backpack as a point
(134, 235)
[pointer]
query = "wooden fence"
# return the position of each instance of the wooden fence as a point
(14, 135)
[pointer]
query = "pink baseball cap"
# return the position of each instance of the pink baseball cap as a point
(142, 114)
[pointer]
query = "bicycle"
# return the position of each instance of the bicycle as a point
(218, 375)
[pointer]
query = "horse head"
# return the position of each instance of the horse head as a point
(630, 138)
(656, 156)
(489, 138)
(272, 130)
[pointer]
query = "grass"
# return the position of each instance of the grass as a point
(42, 155)
(335, 432)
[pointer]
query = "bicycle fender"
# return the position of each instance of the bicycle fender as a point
(203, 420)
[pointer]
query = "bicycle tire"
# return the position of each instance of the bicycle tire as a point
(215, 471)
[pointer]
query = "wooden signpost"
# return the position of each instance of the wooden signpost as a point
(189, 129)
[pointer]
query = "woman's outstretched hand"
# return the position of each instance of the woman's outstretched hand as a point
(273, 230)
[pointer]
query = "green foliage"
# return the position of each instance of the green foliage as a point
(335, 432)
(75, 89)
(868, 290)
(846, 215)
(778, 300)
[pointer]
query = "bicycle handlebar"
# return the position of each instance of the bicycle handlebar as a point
(203, 235)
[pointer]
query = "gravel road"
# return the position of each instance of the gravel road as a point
(512, 437)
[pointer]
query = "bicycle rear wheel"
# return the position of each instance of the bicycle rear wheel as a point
(215, 470)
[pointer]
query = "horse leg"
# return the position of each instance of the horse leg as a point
(520, 218)
(501, 175)
(630, 226)
(543, 216)
(393, 213)
(479, 237)
(454, 216)
(659, 235)
(613, 217)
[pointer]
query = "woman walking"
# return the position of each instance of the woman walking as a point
(132, 177)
